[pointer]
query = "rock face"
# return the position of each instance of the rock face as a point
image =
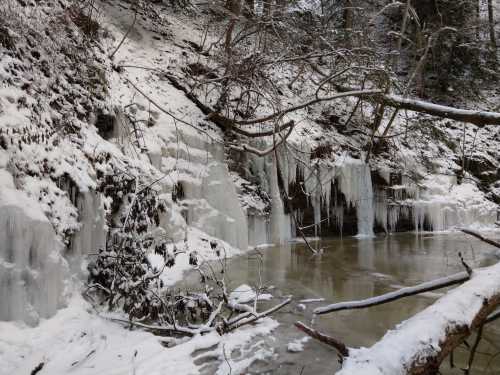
(31, 267)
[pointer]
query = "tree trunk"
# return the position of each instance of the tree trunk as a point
(491, 23)
(348, 15)
(234, 6)
(266, 8)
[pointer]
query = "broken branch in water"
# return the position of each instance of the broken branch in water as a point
(340, 347)
(428, 286)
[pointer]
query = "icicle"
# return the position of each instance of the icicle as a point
(92, 234)
(280, 222)
(381, 209)
(356, 185)
(338, 212)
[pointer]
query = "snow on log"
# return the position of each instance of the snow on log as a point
(482, 238)
(419, 345)
(428, 286)
(464, 115)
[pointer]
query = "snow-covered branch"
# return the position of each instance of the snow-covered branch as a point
(428, 286)
(458, 114)
(482, 238)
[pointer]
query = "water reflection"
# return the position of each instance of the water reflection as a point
(353, 269)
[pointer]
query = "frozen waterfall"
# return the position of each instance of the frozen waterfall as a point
(92, 234)
(32, 269)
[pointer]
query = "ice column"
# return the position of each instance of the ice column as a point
(32, 269)
(280, 222)
(356, 185)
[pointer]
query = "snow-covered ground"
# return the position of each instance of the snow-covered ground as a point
(77, 341)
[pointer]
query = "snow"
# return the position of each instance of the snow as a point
(246, 294)
(446, 205)
(243, 294)
(76, 340)
(297, 345)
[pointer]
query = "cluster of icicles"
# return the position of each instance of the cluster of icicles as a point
(354, 182)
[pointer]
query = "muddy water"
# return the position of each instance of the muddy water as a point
(354, 269)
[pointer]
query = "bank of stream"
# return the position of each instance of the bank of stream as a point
(354, 269)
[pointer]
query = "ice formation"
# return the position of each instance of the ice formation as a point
(437, 203)
(92, 233)
(32, 269)
(444, 204)
(356, 185)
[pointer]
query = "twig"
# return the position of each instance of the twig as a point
(492, 317)
(467, 267)
(38, 368)
(473, 349)
(126, 35)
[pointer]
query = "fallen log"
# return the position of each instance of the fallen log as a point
(420, 344)
(428, 286)
(479, 236)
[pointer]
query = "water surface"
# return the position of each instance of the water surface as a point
(354, 269)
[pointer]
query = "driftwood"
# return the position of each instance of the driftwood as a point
(328, 340)
(254, 317)
(428, 286)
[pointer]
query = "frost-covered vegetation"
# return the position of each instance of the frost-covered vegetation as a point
(142, 139)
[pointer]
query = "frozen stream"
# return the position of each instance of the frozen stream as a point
(355, 269)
